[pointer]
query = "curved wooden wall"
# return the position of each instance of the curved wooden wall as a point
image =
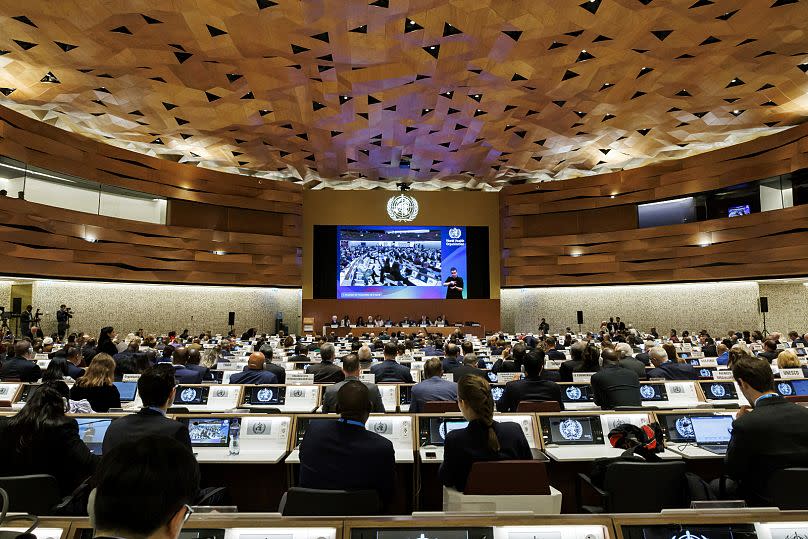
(769, 244)
(43, 145)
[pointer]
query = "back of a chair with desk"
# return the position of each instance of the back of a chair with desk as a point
(508, 477)
(440, 407)
(645, 487)
(538, 406)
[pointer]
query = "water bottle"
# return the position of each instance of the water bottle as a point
(235, 431)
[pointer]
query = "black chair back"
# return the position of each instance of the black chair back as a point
(310, 502)
(34, 494)
(786, 489)
(645, 487)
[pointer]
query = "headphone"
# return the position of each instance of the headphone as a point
(646, 437)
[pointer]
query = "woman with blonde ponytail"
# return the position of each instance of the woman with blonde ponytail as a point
(483, 439)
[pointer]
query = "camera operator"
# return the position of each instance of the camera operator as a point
(63, 316)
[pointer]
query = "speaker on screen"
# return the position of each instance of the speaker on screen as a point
(764, 304)
(580, 317)
(231, 318)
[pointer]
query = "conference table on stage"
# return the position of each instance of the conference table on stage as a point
(342, 331)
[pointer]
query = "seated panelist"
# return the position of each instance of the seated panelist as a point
(343, 454)
(483, 439)
(326, 372)
(531, 388)
(432, 388)
(254, 374)
(391, 370)
(350, 367)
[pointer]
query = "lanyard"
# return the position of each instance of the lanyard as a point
(765, 396)
(351, 422)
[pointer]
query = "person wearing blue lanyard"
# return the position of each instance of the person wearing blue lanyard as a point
(769, 436)
(342, 454)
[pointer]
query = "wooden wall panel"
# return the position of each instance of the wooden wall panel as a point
(538, 251)
(38, 240)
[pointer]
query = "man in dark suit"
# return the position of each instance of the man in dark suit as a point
(503, 364)
(531, 388)
(644, 356)
(329, 446)
(277, 370)
(551, 351)
(326, 372)
(469, 368)
(613, 385)
(669, 370)
(391, 370)
(770, 351)
(433, 387)
(450, 361)
(301, 354)
(183, 374)
(20, 367)
(156, 387)
(769, 436)
(351, 369)
(194, 360)
(26, 319)
(254, 374)
(73, 358)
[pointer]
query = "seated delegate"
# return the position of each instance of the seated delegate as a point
(483, 439)
(531, 388)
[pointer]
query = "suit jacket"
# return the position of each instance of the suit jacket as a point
(614, 386)
(21, 369)
(674, 371)
(390, 370)
(568, 367)
(328, 445)
(146, 422)
(55, 450)
(504, 365)
(634, 365)
(326, 372)
(432, 389)
(252, 377)
(465, 370)
(74, 372)
(450, 364)
(202, 370)
(644, 358)
(277, 370)
(184, 375)
(528, 389)
(464, 447)
(101, 398)
(555, 355)
(709, 350)
(772, 436)
(330, 396)
(769, 356)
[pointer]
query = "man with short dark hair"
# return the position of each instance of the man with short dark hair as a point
(330, 449)
(503, 364)
(184, 375)
(770, 435)
(351, 369)
(277, 370)
(551, 351)
(194, 364)
(469, 368)
(254, 373)
(391, 370)
(531, 388)
(73, 357)
(669, 370)
(63, 317)
(326, 372)
(433, 387)
(144, 488)
(770, 351)
(613, 385)
(21, 367)
(450, 361)
(156, 388)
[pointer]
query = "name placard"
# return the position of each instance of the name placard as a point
(687, 347)
(722, 374)
(131, 377)
(367, 378)
(297, 378)
(791, 373)
(448, 377)
(40, 357)
(582, 377)
(708, 362)
(505, 377)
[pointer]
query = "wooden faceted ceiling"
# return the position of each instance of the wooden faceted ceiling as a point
(457, 93)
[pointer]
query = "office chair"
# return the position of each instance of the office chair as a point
(538, 406)
(302, 502)
(786, 489)
(440, 407)
(622, 490)
(33, 494)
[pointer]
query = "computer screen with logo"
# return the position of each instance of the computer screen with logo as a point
(576, 393)
(572, 430)
(719, 390)
(653, 392)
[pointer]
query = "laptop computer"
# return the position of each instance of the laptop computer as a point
(712, 433)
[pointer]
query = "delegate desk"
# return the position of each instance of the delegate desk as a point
(263, 439)
(680, 437)
(283, 398)
(207, 398)
(476, 331)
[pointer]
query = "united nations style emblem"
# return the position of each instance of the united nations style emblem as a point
(221, 393)
(718, 391)
(647, 392)
(259, 428)
(571, 429)
(403, 208)
(685, 427)
(454, 233)
(784, 389)
(188, 394)
(573, 393)
(297, 393)
(265, 395)
(382, 427)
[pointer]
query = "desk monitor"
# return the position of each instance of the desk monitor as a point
(26, 392)
(497, 391)
(433, 430)
(191, 395)
(218, 376)
(92, 431)
(716, 429)
(127, 390)
(719, 391)
(265, 395)
(492, 377)
(404, 394)
(678, 428)
(705, 373)
(653, 392)
(202, 533)
(577, 393)
(209, 431)
(572, 430)
(422, 533)
(690, 531)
